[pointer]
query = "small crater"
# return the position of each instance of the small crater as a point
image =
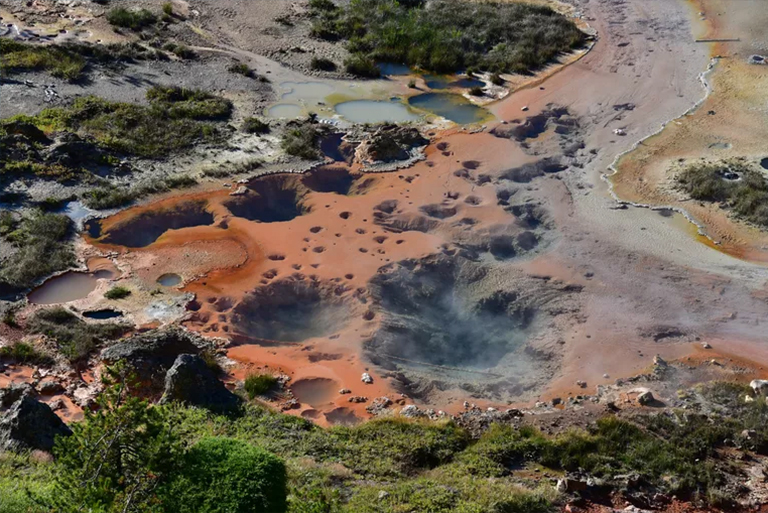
(471, 164)
(316, 229)
(380, 238)
(438, 211)
(473, 200)
(318, 249)
(276, 257)
(345, 215)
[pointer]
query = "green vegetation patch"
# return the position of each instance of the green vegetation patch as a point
(58, 61)
(255, 126)
(301, 139)
(736, 185)
(44, 247)
(131, 19)
(117, 292)
(75, 338)
(226, 475)
(446, 35)
(171, 123)
(23, 353)
(174, 457)
(259, 384)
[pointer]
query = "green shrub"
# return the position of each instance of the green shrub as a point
(322, 64)
(118, 292)
(255, 126)
(44, 247)
(117, 457)
(496, 79)
(362, 66)
(446, 35)
(106, 197)
(155, 131)
(259, 384)
(222, 475)
(134, 20)
(168, 8)
(182, 103)
(746, 196)
(24, 353)
(476, 91)
(241, 69)
(74, 338)
(58, 61)
(301, 140)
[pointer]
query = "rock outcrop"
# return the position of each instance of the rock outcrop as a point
(150, 355)
(190, 381)
(25, 422)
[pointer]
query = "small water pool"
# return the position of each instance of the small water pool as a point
(393, 69)
(303, 91)
(453, 107)
(373, 111)
(316, 392)
(764, 163)
(105, 313)
(284, 110)
(169, 280)
(64, 288)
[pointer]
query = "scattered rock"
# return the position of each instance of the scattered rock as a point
(25, 422)
(366, 378)
(190, 381)
(706, 345)
(345, 391)
(358, 399)
(150, 355)
(50, 388)
(645, 398)
(759, 386)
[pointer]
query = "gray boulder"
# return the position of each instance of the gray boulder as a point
(149, 355)
(190, 381)
(25, 422)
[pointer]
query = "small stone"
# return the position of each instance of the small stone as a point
(345, 391)
(706, 345)
(383, 495)
(645, 398)
(525, 108)
(366, 378)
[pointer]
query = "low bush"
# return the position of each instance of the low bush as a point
(241, 69)
(171, 123)
(25, 354)
(446, 35)
(477, 91)
(259, 384)
(255, 126)
(58, 61)
(322, 64)
(74, 338)
(735, 184)
(110, 196)
(134, 20)
(221, 475)
(44, 247)
(362, 66)
(301, 140)
(117, 292)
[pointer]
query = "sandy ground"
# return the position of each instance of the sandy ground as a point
(646, 284)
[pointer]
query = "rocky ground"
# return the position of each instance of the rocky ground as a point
(482, 275)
